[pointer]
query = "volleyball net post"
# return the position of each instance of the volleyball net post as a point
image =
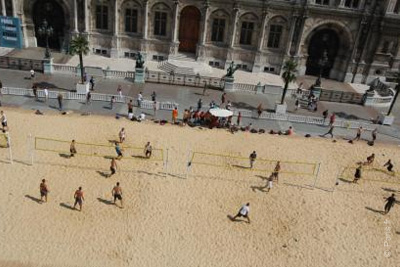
(318, 166)
(166, 162)
(31, 148)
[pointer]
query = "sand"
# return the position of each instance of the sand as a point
(179, 221)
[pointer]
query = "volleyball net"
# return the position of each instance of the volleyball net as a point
(370, 174)
(96, 150)
(5, 147)
(304, 172)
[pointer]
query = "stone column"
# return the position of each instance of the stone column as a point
(87, 16)
(116, 18)
(14, 10)
(175, 22)
(205, 25)
(146, 19)
(341, 4)
(233, 33)
(262, 33)
(291, 34)
(75, 16)
(3, 8)
(115, 40)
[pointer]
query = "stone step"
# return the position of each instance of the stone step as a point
(168, 67)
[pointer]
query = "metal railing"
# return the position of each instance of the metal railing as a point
(144, 104)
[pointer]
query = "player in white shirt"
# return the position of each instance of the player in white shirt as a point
(243, 212)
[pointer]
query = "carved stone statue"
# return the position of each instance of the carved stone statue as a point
(231, 70)
(139, 61)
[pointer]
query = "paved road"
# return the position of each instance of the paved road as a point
(185, 96)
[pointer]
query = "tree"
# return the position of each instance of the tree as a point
(80, 46)
(397, 89)
(288, 76)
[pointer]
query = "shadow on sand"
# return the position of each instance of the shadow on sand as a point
(64, 205)
(37, 200)
(105, 201)
(374, 210)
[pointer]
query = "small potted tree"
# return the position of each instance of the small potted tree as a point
(80, 46)
(288, 76)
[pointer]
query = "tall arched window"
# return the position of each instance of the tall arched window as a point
(102, 9)
(276, 33)
(397, 7)
(219, 24)
(248, 29)
(352, 3)
(161, 20)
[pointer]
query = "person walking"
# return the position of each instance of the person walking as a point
(389, 203)
(174, 115)
(88, 98)
(325, 115)
(60, 101)
(330, 131)
(223, 98)
(357, 174)
(389, 165)
(122, 135)
(79, 198)
(148, 150)
(139, 99)
(91, 81)
(199, 104)
(252, 158)
(243, 212)
(275, 173)
(46, 94)
(155, 109)
(117, 194)
(72, 149)
(239, 118)
(130, 109)
(113, 167)
(4, 122)
(373, 134)
(119, 90)
(358, 135)
(332, 119)
(44, 190)
(153, 96)
(34, 89)
(259, 110)
(118, 150)
(112, 102)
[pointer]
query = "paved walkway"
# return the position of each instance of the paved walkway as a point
(185, 96)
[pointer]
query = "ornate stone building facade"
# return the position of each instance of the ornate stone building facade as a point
(360, 38)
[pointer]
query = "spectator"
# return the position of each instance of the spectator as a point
(91, 83)
(32, 74)
(223, 98)
(259, 110)
(228, 105)
(112, 102)
(46, 94)
(141, 117)
(60, 101)
(174, 115)
(325, 114)
(199, 104)
(332, 119)
(239, 118)
(139, 99)
(119, 90)
(153, 96)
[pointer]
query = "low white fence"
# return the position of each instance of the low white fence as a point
(144, 104)
(303, 119)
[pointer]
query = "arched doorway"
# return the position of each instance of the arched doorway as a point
(189, 27)
(323, 40)
(51, 11)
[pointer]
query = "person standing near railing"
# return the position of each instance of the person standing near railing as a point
(91, 83)
(60, 101)
(153, 96)
(139, 99)
(46, 94)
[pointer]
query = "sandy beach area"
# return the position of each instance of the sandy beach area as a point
(183, 221)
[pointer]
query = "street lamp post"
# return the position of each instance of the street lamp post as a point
(46, 31)
(323, 62)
